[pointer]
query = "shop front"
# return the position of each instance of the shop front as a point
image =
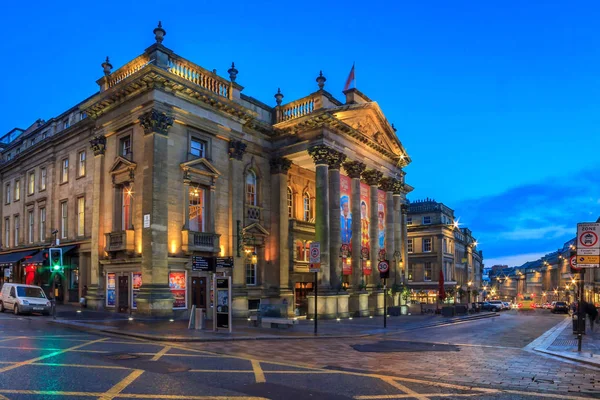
(12, 267)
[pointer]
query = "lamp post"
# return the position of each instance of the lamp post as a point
(469, 294)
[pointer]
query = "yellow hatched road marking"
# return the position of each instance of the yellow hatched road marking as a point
(258, 372)
(410, 396)
(56, 353)
(404, 389)
(161, 353)
(118, 388)
(129, 395)
(3, 397)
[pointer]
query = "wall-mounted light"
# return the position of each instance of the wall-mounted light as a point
(348, 260)
(368, 263)
(254, 258)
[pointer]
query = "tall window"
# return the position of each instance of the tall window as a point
(196, 209)
(42, 224)
(43, 178)
(64, 171)
(6, 232)
(17, 227)
(251, 188)
(63, 220)
(81, 216)
(7, 193)
(445, 245)
(411, 271)
(31, 183)
(426, 245)
(30, 226)
(290, 203)
(409, 245)
(125, 146)
(81, 164)
(427, 271)
(408, 220)
(17, 190)
(250, 265)
(198, 148)
(127, 206)
(307, 206)
(426, 220)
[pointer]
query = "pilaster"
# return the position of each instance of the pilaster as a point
(371, 178)
(387, 185)
(335, 243)
(399, 238)
(279, 169)
(403, 243)
(237, 148)
(354, 170)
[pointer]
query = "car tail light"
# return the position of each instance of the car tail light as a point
(520, 305)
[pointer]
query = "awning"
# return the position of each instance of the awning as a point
(10, 259)
(37, 258)
(66, 249)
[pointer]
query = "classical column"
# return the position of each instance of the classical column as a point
(335, 242)
(95, 294)
(387, 185)
(321, 155)
(155, 297)
(354, 169)
(372, 177)
(279, 181)
(399, 239)
(404, 243)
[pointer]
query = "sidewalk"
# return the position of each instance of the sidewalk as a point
(177, 330)
(561, 342)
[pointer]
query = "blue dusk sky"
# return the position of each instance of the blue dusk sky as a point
(497, 103)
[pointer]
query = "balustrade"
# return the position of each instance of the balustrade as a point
(128, 70)
(253, 212)
(296, 109)
(199, 76)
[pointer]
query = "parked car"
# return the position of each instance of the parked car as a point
(506, 305)
(496, 305)
(560, 307)
(24, 299)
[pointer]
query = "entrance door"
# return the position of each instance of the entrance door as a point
(199, 291)
(123, 293)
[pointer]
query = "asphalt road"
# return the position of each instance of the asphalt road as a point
(480, 359)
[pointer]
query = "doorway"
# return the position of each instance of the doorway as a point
(123, 293)
(199, 291)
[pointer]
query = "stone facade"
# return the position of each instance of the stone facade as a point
(179, 163)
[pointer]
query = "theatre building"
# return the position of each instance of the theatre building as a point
(169, 174)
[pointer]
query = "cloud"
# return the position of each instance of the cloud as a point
(531, 219)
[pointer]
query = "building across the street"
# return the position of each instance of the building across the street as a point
(437, 244)
(169, 173)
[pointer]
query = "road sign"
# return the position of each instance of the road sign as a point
(384, 269)
(315, 253)
(573, 263)
(314, 267)
(588, 245)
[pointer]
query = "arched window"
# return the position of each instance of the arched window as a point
(290, 203)
(251, 188)
(307, 207)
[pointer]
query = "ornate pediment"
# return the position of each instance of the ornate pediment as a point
(368, 126)
(122, 171)
(254, 229)
(200, 166)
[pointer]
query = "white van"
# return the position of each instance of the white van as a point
(24, 299)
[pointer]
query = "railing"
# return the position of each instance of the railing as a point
(198, 75)
(119, 240)
(200, 241)
(297, 109)
(253, 212)
(128, 69)
(203, 239)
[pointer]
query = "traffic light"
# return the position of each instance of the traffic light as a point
(56, 260)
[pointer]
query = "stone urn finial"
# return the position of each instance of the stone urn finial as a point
(278, 96)
(232, 72)
(394, 128)
(107, 67)
(321, 80)
(159, 33)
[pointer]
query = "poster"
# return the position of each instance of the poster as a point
(381, 219)
(177, 283)
(111, 289)
(346, 209)
(365, 245)
(135, 285)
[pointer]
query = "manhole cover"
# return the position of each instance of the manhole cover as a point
(385, 346)
(122, 356)
(565, 342)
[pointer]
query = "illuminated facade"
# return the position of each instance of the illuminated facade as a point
(178, 164)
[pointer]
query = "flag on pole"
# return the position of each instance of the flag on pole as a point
(350, 79)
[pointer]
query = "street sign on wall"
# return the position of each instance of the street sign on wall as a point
(588, 245)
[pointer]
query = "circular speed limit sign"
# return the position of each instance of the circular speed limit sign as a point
(573, 263)
(383, 266)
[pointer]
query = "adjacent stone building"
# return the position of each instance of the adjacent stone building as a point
(170, 161)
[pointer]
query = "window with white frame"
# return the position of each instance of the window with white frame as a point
(426, 245)
(17, 228)
(63, 220)
(426, 220)
(30, 226)
(251, 188)
(198, 148)
(17, 190)
(43, 177)
(42, 224)
(64, 171)
(251, 268)
(81, 216)
(7, 232)
(427, 271)
(307, 207)
(409, 246)
(197, 210)
(408, 220)
(31, 183)
(125, 146)
(290, 203)
(7, 193)
(81, 163)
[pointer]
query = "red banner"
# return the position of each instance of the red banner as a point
(177, 283)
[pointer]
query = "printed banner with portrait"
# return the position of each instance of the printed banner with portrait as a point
(135, 285)
(381, 219)
(111, 289)
(177, 283)
(346, 209)
(365, 222)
